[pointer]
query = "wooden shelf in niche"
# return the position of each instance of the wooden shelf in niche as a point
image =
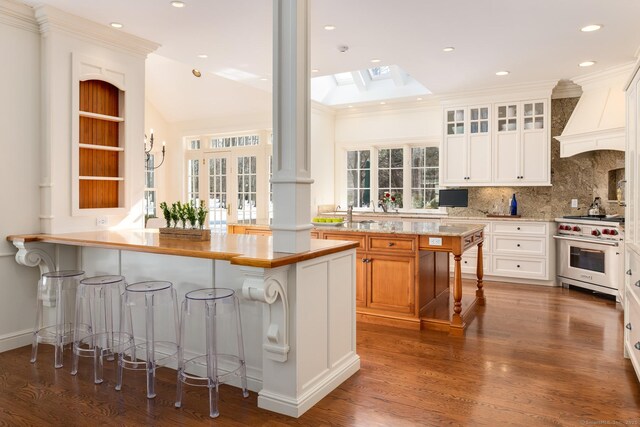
(101, 156)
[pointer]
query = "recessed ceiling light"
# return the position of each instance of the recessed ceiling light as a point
(350, 106)
(264, 79)
(375, 60)
(178, 4)
(419, 99)
(315, 70)
(587, 63)
(589, 28)
(329, 27)
(382, 102)
(116, 25)
(203, 55)
(196, 72)
(502, 73)
(449, 49)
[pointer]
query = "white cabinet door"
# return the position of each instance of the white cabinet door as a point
(467, 146)
(455, 165)
(521, 144)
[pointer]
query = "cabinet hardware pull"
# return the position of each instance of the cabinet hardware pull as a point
(518, 265)
(364, 260)
(637, 345)
(637, 283)
(518, 228)
(518, 245)
(391, 244)
(628, 272)
(628, 326)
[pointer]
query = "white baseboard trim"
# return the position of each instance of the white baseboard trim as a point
(295, 407)
(15, 340)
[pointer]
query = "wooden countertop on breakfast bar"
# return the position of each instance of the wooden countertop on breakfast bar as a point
(239, 249)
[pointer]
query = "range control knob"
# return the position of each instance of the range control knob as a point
(613, 232)
(576, 228)
(605, 231)
(595, 233)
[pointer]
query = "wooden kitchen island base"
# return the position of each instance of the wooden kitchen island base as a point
(402, 271)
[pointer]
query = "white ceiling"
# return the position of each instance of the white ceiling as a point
(535, 40)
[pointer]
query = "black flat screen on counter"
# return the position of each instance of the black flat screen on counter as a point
(458, 198)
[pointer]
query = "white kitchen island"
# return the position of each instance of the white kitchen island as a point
(298, 310)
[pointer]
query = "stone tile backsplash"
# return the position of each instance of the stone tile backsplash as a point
(583, 177)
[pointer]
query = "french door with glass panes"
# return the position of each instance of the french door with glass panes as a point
(231, 188)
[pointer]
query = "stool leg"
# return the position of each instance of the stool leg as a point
(77, 318)
(212, 365)
(59, 327)
(98, 351)
(180, 355)
(123, 330)
(36, 328)
(151, 357)
(243, 367)
(109, 323)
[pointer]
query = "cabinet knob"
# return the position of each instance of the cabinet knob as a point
(391, 244)
(518, 245)
(637, 345)
(364, 260)
(637, 283)
(628, 272)
(518, 228)
(518, 265)
(628, 326)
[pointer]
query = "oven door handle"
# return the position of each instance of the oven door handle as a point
(596, 242)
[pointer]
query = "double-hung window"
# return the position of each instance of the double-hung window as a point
(359, 178)
(407, 174)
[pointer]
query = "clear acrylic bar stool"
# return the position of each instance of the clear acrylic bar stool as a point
(207, 315)
(55, 290)
(153, 304)
(95, 334)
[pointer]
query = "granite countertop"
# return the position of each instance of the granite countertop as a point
(435, 217)
(431, 228)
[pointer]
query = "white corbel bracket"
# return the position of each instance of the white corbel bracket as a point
(30, 255)
(270, 286)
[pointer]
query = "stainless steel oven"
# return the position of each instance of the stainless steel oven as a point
(591, 256)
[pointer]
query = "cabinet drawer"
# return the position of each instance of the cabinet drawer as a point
(518, 227)
(468, 263)
(360, 238)
(520, 245)
(257, 231)
(519, 267)
(392, 244)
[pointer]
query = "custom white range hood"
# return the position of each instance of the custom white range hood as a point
(598, 121)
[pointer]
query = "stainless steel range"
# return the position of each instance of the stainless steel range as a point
(590, 253)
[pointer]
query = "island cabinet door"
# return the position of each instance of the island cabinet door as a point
(390, 281)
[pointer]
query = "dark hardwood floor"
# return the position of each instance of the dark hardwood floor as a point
(532, 356)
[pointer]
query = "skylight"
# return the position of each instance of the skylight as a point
(344, 78)
(378, 73)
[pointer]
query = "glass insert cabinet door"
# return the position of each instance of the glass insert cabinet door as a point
(507, 118)
(533, 115)
(479, 120)
(455, 121)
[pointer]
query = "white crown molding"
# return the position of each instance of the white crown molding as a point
(18, 15)
(622, 70)
(541, 89)
(318, 106)
(566, 89)
(51, 19)
(368, 110)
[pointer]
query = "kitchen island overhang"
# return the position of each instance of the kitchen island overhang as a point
(298, 310)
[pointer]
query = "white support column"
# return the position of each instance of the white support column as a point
(291, 114)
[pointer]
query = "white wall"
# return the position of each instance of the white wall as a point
(322, 157)
(19, 142)
(162, 132)
(65, 39)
